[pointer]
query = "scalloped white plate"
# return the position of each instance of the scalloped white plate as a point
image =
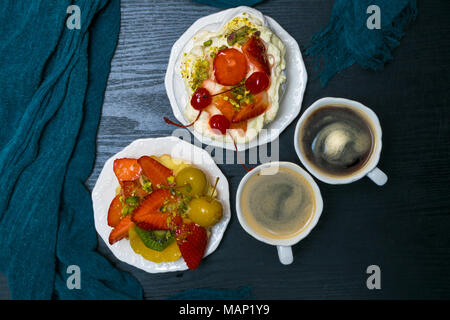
(296, 75)
(105, 190)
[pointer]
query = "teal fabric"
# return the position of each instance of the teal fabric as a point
(346, 40)
(229, 3)
(52, 81)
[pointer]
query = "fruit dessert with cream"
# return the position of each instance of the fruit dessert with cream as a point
(165, 207)
(233, 79)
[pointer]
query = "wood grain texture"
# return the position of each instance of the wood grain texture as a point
(403, 227)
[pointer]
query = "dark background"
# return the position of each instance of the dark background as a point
(403, 227)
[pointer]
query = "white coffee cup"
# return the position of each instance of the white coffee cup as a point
(283, 245)
(370, 168)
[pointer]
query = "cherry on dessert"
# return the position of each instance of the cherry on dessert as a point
(257, 82)
(219, 122)
(230, 67)
(201, 99)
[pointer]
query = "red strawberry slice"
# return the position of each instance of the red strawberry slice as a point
(153, 221)
(148, 214)
(152, 203)
(192, 240)
(248, 112)
(159, 221)
(121, 230)
(115, 212)
(225, 107)
(126, 169)
(252, 110)
(157, 173)
(133, 189)
(255, 51)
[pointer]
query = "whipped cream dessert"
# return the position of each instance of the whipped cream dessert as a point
(233, 79)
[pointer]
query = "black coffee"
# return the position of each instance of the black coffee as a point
(337, 140)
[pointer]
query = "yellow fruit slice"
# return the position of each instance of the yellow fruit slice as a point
(176, 165)
(169, 254)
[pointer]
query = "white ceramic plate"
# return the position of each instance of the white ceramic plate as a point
(105, 190)
(291, 100)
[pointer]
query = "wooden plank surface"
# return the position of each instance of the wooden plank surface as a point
(403, 227)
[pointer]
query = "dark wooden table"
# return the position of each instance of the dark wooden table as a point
(402, 227)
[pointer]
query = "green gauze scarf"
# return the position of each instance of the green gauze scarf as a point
(352, 35)
(52, 81)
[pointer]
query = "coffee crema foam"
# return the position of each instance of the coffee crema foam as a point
(337, 140)
(279, 205)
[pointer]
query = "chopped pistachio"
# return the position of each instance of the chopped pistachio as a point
(231, 38)
(200, 73)
(147, 186)
(132, 201)
(126, 210)
(239, 36)
(171, 179)
(207, 43)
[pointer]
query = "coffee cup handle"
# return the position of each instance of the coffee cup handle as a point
(285, 254)
(378, 176)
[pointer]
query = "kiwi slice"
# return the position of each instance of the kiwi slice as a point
(155, 239)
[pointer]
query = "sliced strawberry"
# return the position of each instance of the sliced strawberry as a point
(192, 240)
(153, 221)
(148, 215)
(255, 52)
(159, 221)
(152, 203)
(121, 230)
(225, 107)
(175, 222)
(230, 67)
(126, 169)
(133, 189)
(115, 212)
(252, 110)
(157, 173)
(248, 112)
